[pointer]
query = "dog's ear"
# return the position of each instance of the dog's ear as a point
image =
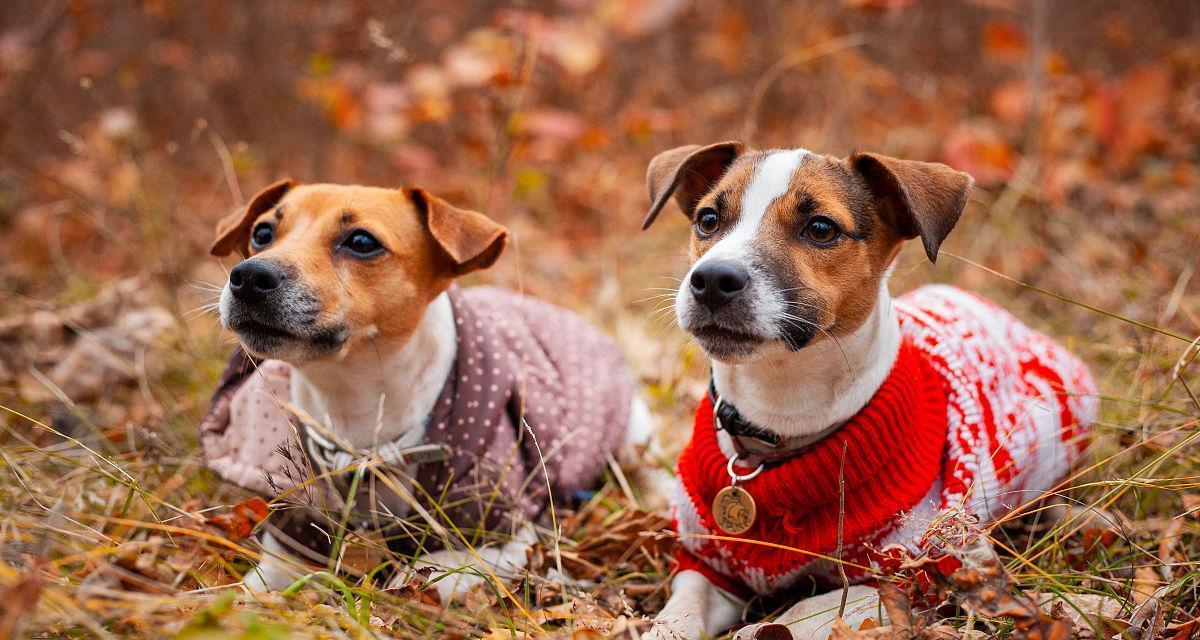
(470, 240)
(917, 198)
(233, 231)
(688, 172)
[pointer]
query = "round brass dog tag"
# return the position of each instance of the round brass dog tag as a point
(734, 510)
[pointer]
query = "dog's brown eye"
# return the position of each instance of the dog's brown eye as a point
(822, 230)
(263, 235)
(362, 244)
(707, 222)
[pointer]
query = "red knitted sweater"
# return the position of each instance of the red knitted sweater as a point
(978, 411)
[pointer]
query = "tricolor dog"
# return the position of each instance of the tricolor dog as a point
(372, 394)
(935, 400)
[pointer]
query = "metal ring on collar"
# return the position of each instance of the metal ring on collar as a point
(717, 414)
(740, 478)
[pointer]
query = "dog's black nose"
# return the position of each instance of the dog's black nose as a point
(717, 282)
(253, 280)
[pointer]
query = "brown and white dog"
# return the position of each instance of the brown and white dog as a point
(347, 290)
(787, 293)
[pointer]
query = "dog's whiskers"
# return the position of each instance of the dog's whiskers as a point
(657, 296)
(205, 286)
(799, 305)
(659, 314)
(212, 306)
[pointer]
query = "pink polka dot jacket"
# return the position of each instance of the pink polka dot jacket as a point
(532, 383)
(980, 414)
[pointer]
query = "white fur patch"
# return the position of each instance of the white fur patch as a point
(825, 383)
(368, 399)
(276, 570)
(771, 180)
(696, 609)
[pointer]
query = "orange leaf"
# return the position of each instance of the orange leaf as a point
(245, 515)
(879, 5)
(1005, 42)
(1184, 631)
(1010, 101)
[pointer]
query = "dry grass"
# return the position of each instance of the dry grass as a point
(129, 129)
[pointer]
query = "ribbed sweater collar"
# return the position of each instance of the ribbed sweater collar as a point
(894, 448)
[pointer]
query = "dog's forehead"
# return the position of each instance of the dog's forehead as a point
(776, 171)
(336, 199)
(759, 181)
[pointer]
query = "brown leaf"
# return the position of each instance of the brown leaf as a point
(604, 546)
(1148, 620)
(842, 631)
(244, 517)
(896, 603)
(17, 602)
(1145, 582)
(1184, 631)
(85, 349)
(983, 586)
(1010, 101)
(1191, 504)
(417, 591)
(879, 5)
(1085, 612)
(980, 151)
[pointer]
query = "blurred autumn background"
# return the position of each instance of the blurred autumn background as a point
(128, 128)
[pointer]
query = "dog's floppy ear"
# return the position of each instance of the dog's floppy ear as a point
(470, 240)
(688, 172)
(918, 198)
(233, 231)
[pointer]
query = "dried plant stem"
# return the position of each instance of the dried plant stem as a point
(842, 531)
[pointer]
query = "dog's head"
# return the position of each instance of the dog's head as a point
(791, 247)
(327, 266)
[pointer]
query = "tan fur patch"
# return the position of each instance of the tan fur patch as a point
(381, 299)
(838, 284)
(726, 198)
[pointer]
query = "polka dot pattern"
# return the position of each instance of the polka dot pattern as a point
(532, 383)
(247, 425)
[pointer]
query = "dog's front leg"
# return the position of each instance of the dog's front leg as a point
(456, 572)
(696, 609)
(273, 572)
(812, 618)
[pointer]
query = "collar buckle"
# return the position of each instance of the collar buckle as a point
(333, 456)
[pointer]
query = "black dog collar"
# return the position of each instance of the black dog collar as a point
(754, 444)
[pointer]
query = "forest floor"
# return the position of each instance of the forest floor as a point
(128, 131)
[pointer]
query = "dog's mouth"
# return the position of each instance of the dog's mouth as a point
(258, 331)
(723, 342)
(287, 326)
(290, 342)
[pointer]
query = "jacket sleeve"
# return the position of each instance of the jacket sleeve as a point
(246, 432)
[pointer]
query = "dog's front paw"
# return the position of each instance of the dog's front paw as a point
(673, 629)
(454, 586)
(268, 575)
